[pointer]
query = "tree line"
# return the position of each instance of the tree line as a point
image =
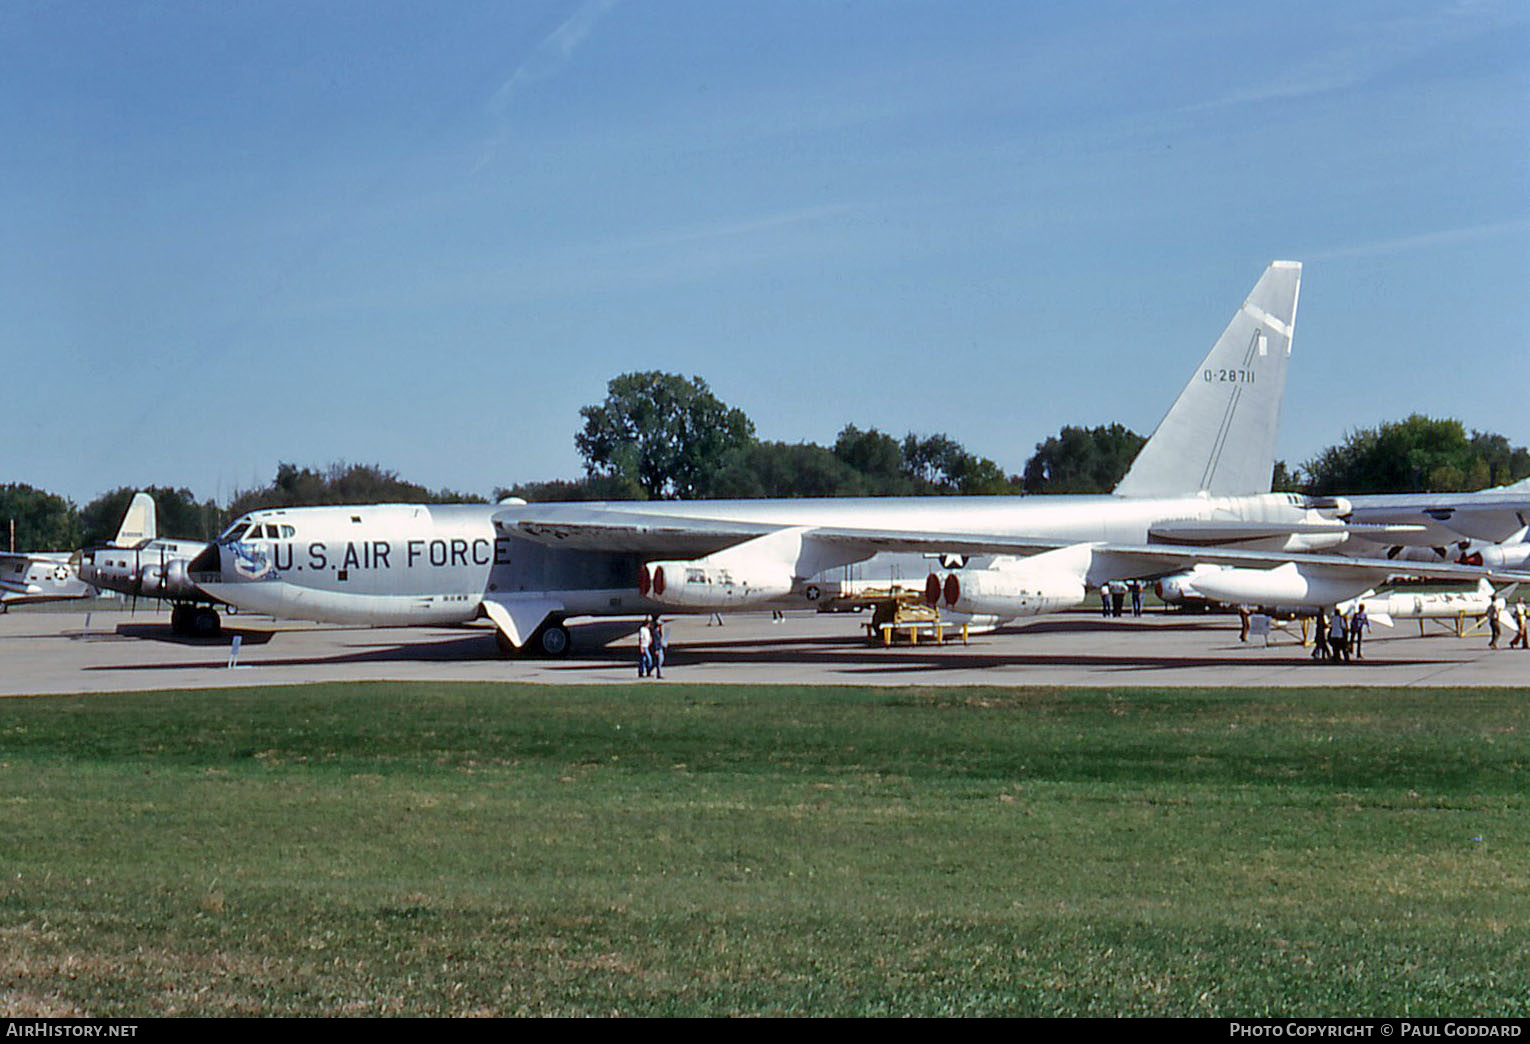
(659, 436)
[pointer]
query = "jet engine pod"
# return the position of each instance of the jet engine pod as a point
(1175, 589)
(1499, 556)
(703, 584)
(1007, 593)
(932, 590)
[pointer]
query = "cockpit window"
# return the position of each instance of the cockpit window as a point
(233, 533)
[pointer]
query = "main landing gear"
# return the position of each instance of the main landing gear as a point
(550, 641)
(195, 621)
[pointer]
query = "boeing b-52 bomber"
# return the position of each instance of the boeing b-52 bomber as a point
(1194, 494)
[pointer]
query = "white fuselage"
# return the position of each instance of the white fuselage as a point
(408, 564)
(40, 577)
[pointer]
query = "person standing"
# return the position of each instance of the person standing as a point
(1320, 637)
(1359, 623)
(1338, 638)
(656, 645)
(1495, 628)
(1522, 622)
(1136, 589)
(645, 650)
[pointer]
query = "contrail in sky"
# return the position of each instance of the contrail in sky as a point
(550, 55)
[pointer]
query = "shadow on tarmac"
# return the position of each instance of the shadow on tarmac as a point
(849, 653)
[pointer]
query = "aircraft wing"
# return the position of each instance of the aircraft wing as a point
(1146, 560)
(674, 536)
(1492, 515)
(601, 529)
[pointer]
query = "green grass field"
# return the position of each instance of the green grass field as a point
(679, 850)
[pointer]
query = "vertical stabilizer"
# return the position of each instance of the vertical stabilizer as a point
(1219, 436)
(138, 525)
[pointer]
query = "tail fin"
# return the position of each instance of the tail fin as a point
(1219, 436)
(138, 525)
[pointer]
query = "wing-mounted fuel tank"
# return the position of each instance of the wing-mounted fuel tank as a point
(1291, 584)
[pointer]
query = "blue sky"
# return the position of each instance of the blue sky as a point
(424, 235)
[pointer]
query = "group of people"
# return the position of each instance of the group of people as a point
(651, 648)
(1113, 597)
(1338, 638)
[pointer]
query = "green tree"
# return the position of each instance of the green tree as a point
(780, 469)
(594, 487)
(669, 434)
(940, 464)
(1417, 455)
(340, 483)
(877, 458)
(43, 521)
(1082, 460)
(1505, 463)
(1285, 480)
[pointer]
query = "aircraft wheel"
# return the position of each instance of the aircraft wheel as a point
(205, 623)
(552, 640)
(178, 622)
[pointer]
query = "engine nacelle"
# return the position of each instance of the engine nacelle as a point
(168, 580)
(1499, 556)
(1178, 589)
(1007, 593)
(702, 583)
(1286, 585)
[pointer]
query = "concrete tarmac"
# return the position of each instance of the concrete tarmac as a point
(58, 649)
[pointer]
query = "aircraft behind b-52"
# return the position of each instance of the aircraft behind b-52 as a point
(27, 577)
(140, 564)
(1194, 494)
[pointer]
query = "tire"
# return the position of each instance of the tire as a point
(205, 623)
(552, 641)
